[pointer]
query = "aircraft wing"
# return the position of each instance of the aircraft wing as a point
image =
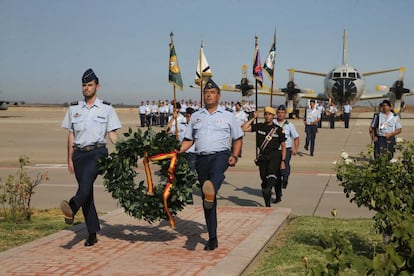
(311, 95)
(380, 72)
(276, 92)
(261, 91)
(371, 96)
(310, 73)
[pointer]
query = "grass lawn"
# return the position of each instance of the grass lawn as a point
(296, 246)
(44, 222)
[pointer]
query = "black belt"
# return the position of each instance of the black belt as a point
(88, 148)
(203, 153)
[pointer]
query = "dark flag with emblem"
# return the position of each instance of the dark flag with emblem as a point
(269, 64)
(174, 75)
(257, 65)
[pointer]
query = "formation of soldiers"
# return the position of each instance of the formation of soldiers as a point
(157, 113)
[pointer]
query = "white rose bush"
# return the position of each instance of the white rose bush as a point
(388, 188)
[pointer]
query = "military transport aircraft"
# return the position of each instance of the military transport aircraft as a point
(4, 105)
(344, 84)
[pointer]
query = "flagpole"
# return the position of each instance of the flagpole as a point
(201, 75)
(256, 121)
(273, 71)
(175, 97)
(255, 47)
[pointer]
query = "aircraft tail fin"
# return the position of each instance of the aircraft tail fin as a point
(345, 49)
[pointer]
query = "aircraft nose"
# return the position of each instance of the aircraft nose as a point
(344, 89)
(344, 86)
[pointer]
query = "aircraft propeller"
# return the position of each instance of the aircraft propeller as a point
(396, 91)
(245, 87)
(293, 93)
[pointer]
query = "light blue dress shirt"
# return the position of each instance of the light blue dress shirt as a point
(213, 132)
(388, 124)
(290, 132)
(312, 115)
(91, 124)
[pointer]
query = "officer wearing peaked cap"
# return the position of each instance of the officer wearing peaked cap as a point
(88, 122)
(210, 129)
(292, 147)
(387, 128)
(211, 84)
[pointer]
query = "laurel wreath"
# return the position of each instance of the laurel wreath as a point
(119, 172)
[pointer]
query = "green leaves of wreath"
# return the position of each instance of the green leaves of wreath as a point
(119, 170)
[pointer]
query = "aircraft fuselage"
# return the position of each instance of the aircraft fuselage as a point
(344, 84)
(3, 105)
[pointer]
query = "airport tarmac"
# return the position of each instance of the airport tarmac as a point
(313, 188)
(128, 246)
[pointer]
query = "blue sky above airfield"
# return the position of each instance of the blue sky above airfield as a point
(46, 45)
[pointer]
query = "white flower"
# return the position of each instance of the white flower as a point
(345, 155)
(348, 161)
(334, 162)
(394, 160)
(399, 140)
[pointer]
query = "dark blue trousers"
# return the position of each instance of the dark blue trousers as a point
(142, 119)
(86, 171)
(346, 120)
(212, 167)
(286, 171)
(283, 176)
(332, 121)
(385, 146)
(311, 136)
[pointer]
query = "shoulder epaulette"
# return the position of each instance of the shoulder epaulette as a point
(74, 103)
(105, 102)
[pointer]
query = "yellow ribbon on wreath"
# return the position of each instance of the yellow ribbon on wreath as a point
(170, 175)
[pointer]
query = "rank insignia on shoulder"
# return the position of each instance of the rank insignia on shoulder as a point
(105, 102)
(74, 103)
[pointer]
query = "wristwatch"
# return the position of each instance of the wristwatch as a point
(235, 157)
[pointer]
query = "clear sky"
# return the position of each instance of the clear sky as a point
(46, 45)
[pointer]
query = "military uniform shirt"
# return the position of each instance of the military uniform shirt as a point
(332, 109)
(213, 132)
(182, 126)
(312, 115)
(388, 124)
(347, 108)
(142, 109)
(290, 131)
(262, 130)
(90, 125)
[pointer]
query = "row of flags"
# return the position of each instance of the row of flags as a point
(203, 71)
(269, 64)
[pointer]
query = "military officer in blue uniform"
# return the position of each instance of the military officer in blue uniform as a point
(311, 119)
(387, 128)
(292, 147)
(89, 122)
(347, 108)
(211, 130)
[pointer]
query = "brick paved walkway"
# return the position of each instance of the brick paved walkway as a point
(128, 246)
